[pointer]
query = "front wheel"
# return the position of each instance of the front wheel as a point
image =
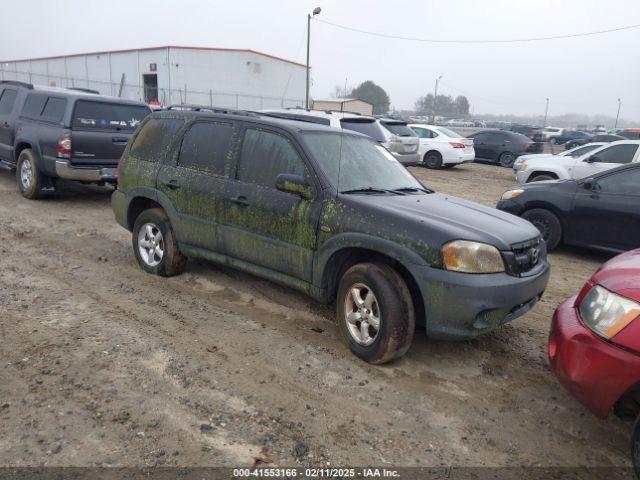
(375, 312)
(433, 160)
(635, 448)
(155, 245)
(507, 159)
(548, 225)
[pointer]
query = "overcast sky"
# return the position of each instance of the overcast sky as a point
(580, 75)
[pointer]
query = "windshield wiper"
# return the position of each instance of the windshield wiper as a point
(413, 189)
(371, 190)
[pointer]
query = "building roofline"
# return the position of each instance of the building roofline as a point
(164, 47)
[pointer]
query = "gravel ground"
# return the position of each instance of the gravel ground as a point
(102, 364)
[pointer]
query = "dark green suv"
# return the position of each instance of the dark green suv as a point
(331, 213)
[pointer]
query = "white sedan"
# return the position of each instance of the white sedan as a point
(441, 147)
(574, 152)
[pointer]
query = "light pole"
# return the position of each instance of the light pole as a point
(618, 114)
(435, 97)
(315, 12)
(546, 112)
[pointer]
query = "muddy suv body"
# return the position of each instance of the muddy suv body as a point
(48, 133)
(298, 203)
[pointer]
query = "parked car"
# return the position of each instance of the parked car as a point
(48, 133)
(605, 157)
(630, 133)
(607, 138)
(534, 133)
(441, 147)
(599, 212)
(394, 135)
(329, 212)
(594, 344)
(502, 147)
(550, 134)
(569, 135)
(574, 153)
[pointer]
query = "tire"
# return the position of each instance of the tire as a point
(635, 448)
(384, 296)
(569, 146)
(155, 245)
(552, 141)
(507, 159)
(540, 178)
(432, 160)
(548, 224)
(30, 180)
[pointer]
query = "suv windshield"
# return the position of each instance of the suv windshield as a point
(356, 163)
(366, 126)
(399, 128)
(108, 116)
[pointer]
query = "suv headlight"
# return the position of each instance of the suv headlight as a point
(512, 194)
(606, 313)
(523, 167)
(472, 257)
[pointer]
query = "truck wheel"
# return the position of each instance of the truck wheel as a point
(635, 447)
(548, 224)
(432, 160)
(375, 312)
(155, 245)
(30, 180)
(507, 159)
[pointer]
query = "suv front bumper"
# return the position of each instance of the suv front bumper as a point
(460, 306)
(84, 174)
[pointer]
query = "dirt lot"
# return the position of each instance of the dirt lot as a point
(102, 364)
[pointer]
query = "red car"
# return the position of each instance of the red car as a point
(594, 344)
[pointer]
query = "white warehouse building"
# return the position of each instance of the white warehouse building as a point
(232, 78)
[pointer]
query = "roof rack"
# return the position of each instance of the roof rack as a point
(17, 83)
(297, 117)
(85, 90)
(207, 108)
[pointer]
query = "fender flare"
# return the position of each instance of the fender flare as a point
(153, 194)
(31, 139)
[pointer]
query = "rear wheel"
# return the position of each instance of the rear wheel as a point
(375, 312)
(547, 223)
(433, 160)
(635, 447)
(507, 159)
(155, 245)
(30, 180)
(552, 141)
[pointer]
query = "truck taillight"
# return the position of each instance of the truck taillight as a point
(457, 144)
(64, 146)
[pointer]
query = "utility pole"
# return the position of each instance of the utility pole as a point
(546, 112)
(618, 114)
(315, 12)
(435, 97)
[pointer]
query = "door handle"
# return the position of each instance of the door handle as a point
(172, 184)
(241, 200)
(119, 140)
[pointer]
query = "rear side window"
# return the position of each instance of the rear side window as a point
(7, 100)
(54, 109)
(205, 147)
(423, 132)
(399, 128)
(265, 155)
(616, 154)
(108, 116)
(153, 141)
(366, 126)
(33, 105)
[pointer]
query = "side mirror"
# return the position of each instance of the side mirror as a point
(296, 184)
(592, 159)
(589, 183)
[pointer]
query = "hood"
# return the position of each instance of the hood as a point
(437, 219)
(533, 156)
(621, 275)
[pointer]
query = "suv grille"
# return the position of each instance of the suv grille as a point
(524, 257)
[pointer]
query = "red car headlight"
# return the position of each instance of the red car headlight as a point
(607, 313)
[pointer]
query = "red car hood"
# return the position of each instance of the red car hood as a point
(622, 276)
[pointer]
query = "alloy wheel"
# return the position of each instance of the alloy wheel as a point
(151, 244)
(26, 174)
(362, 314)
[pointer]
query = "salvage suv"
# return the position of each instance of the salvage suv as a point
(331, 213)
(48, 133)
